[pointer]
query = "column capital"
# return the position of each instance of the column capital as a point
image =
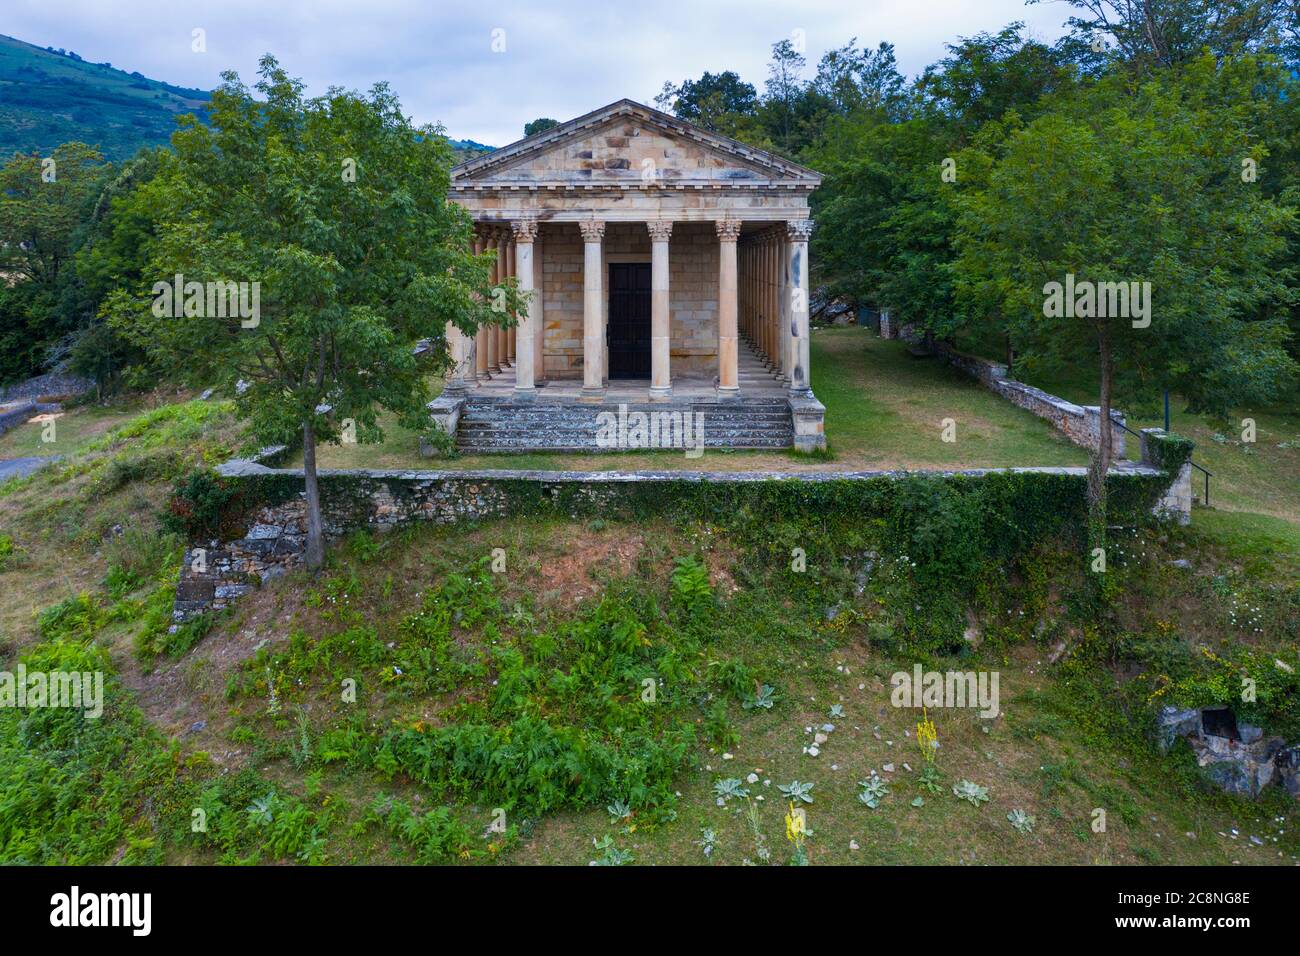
(660, 229)
(525, 230)
(593, 230)
(799, 229)
(728, 229)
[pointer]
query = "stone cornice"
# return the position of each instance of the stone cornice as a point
(774, 187)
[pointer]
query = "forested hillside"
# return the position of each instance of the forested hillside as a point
(49, 97)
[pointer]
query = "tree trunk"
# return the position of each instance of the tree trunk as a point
(315, 532)
(1100, 462)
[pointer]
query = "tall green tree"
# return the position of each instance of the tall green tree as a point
(1156, 34)
(45, 205)
(706, 101)
(785, 88)
(984, 76)
(540, 125)
(1123, 184)
(338, 207)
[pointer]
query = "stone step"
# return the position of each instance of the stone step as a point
(708, 421)
(502, 424)
(533, 445)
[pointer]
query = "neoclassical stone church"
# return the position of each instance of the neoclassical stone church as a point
(668, 267)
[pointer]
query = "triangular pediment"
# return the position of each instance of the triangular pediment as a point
(624, 144)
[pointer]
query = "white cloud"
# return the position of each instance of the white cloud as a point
(561, 60)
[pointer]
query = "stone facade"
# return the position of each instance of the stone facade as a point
(722, 228)
(692, 293)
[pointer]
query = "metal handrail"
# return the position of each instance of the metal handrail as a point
(1205, 471)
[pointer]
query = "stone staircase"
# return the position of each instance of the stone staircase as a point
(499, 424)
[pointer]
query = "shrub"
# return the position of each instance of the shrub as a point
(204, 505)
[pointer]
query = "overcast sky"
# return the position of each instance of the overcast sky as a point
(561, 58)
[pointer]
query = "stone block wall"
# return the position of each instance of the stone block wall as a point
(692, 296)
(52, 386)
(561, 265)
(1176, 503)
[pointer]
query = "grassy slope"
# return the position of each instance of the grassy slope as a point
(1260, 477)
(1057, 752)
(884, 410)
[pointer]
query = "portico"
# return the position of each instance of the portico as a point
(667, 265)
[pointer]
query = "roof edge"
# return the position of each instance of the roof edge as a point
(625, 106)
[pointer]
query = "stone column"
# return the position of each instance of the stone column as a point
(493, 365)
(661, 382)
(525, 231)
(469, 344)
(779, 350)
(728, 355)
(797, 231)
(765, 295)
(512, 261)
(746, 312)
(506, 266)
(537, 311)
(783, 306)
(593, 311)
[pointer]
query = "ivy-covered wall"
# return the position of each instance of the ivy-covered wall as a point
(251, 522)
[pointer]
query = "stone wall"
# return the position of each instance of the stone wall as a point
(216, 573)
(692, 291)
(1176, 502)
(1079, 423)
(52, 386)
(18, 413)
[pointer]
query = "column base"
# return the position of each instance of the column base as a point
(728, 393)
(593, 395)
(525, 394)
(661, 393)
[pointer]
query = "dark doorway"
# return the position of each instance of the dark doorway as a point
(629, 320)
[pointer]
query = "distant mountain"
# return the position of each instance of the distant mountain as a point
(49, 96)
(468, 149)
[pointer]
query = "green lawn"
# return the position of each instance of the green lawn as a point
(884, 410)
(70, 431)
(1262, 477)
